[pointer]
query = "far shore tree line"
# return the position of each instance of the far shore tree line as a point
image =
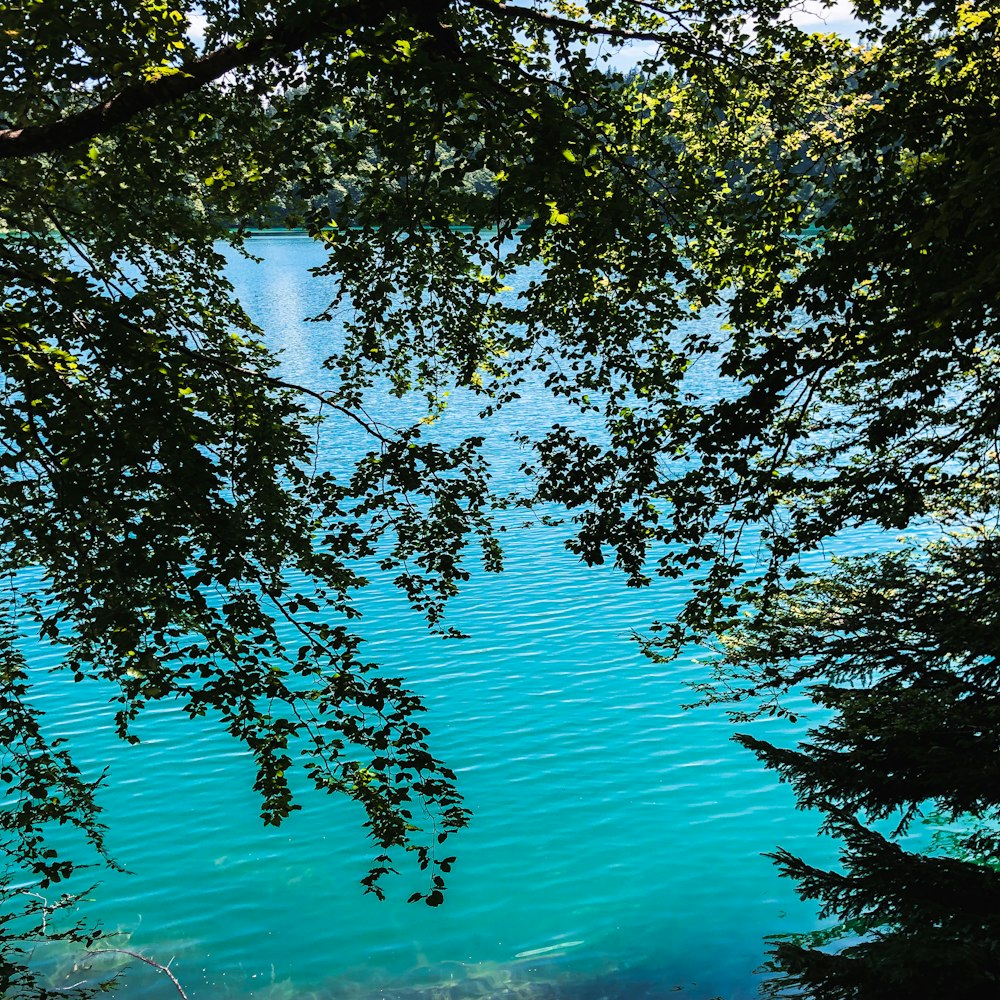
(161, 474)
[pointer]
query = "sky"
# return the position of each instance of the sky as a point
(810, 15)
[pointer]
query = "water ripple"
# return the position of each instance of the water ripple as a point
(616, 847)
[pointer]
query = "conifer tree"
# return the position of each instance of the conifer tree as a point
(899, 655)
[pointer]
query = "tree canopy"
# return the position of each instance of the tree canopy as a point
(830, 202)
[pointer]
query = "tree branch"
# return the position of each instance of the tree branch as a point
(133, 100)
(142, 958)
(552, 21)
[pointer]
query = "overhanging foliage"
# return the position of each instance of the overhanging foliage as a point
(162, 475)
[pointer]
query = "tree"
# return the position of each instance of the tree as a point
(161, 473)
(900, 650)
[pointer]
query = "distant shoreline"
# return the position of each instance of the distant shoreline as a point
(300, 231)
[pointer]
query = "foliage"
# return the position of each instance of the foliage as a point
(899, 651)
(161, 474)
(870, 369)
(159, 489)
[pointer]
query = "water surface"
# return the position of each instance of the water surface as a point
(616, 847)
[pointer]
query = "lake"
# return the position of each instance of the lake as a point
(616, 846)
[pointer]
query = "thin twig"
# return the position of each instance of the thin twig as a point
(142, 958)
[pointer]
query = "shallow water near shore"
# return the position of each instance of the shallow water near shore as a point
(616, 846)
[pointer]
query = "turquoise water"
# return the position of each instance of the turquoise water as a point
(617, 838)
